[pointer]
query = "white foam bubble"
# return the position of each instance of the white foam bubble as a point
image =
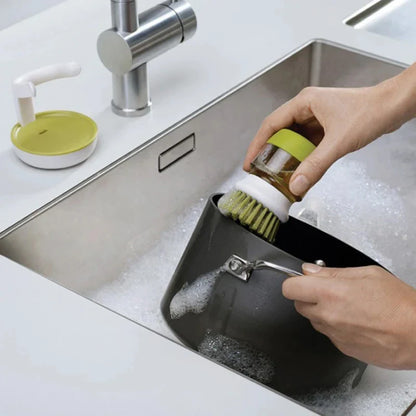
(238, 355)
(371, 215)
(137, 293)
(373, 396)
(377, 218)
(363, 212)
(194, 297)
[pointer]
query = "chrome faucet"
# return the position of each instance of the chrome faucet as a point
(126, 48)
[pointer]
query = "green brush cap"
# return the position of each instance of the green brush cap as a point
(293, 143)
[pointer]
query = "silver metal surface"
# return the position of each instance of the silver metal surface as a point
(176, 152)
(243, 269)
(392, 18)
(126, 48)
(87, 238)
(84, 239)
(123, 15)
(187, 16)
(131, 96)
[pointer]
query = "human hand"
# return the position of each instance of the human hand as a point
(366, 312)
(339, 120)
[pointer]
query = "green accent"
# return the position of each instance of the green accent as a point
(247, 211)
(55, 133)
(293, 143)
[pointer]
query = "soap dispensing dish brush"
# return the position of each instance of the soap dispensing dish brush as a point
(262, 199)
(51, 139)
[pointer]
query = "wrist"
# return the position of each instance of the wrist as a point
(396, 99)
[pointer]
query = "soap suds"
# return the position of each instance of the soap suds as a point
(194, 297)
(238, 355)
(137, 293)
(386, 400)
(363, 212)
(374, 216)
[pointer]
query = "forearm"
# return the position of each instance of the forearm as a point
(407, 334)
(397, 99)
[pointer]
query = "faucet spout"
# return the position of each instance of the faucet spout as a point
(126, 48)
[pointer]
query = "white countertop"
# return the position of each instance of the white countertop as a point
(60, 353)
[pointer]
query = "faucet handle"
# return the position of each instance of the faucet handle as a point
(186, 15)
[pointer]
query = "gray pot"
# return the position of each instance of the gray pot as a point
(278, 346)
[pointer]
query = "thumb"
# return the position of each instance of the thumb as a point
(314, 166)
(310, 269)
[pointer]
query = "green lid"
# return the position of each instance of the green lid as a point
(293, 143)
(55, 133)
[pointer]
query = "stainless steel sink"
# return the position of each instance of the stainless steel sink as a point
(392, 18)
(84, 239)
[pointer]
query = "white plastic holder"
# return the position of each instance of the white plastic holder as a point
(24, 87)
(51, 139)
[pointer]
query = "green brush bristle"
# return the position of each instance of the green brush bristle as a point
(240, 207)
(250, 213)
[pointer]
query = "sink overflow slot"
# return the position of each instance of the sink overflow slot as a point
(176, 152)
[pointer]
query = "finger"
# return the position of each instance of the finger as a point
(314, 166)
(312, 129)
(277, 120)
(295, 110)
(301, 288)
(334, 272)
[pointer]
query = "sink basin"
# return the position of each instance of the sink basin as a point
(88, 239)
(82, 239)
(392, 18)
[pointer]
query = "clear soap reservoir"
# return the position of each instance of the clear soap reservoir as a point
(279, 158)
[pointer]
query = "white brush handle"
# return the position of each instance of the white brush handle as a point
(24, 87)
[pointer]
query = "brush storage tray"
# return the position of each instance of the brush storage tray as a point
(254, 316)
